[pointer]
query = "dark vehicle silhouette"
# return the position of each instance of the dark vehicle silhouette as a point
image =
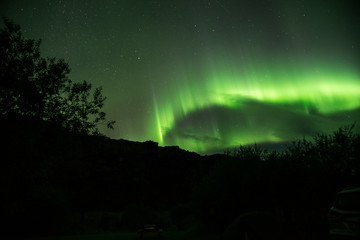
(150, 230)
(344, 215)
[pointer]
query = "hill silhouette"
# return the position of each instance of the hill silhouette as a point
(56, 182)
(48, 170)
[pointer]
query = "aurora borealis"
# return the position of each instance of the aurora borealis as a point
(210, 74)
(254, 105)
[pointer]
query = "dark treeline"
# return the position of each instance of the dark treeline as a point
(53, 178)
(57, 182)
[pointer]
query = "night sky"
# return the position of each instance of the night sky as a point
(207, 75)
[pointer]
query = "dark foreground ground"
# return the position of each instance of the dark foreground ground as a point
(177, 235)
(173, 235)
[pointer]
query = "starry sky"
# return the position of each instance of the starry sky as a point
(208, 75)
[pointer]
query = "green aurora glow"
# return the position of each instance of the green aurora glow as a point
(208, 75)
(326, 89)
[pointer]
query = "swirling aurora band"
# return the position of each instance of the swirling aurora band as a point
(328, 90)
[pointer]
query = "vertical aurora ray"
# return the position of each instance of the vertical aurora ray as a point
(158, 121)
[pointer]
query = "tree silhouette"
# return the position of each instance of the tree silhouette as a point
(31, 85)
